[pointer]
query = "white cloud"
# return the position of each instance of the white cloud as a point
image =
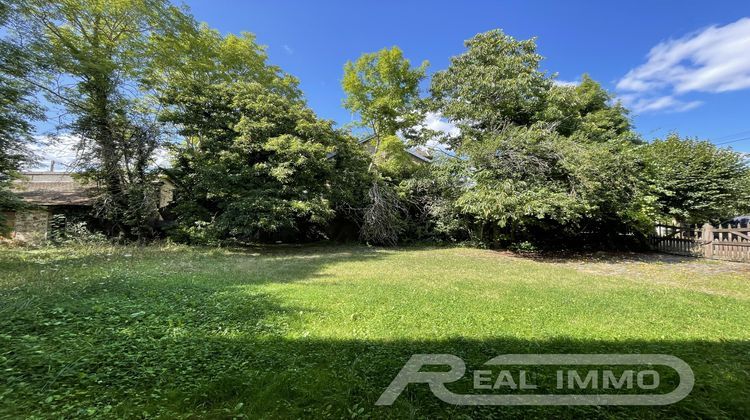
(436, 122)
(657, 103)
(288, 49)
(713, 60)
(63, 150)
(162, 157)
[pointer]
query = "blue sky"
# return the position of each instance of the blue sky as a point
(696, 81)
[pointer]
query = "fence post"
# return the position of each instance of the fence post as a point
(708, 240)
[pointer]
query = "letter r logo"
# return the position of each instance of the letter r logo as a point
(410, 374)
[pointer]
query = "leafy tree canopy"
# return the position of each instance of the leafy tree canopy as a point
(540, 155)
(694, 181)
(496, 81)
(96, 56)
(17, 107)
(586, 112)
(193, 62)
(256, 164)
(383, 89)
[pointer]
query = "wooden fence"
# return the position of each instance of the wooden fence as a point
(725, 242)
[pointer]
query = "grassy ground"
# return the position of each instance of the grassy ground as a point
(321, 331)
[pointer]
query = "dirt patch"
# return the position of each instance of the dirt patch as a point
(616, 263)
(714, 277)
(635, 263)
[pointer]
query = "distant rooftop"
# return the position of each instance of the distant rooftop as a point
(417, 152)
(51, 189)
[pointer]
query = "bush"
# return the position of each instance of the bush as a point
(64, 232)
(523, 247)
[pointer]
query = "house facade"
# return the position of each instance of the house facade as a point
(48, 194)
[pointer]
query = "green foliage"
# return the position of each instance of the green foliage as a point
(256, 164)
(96, 55)
(584, 111)
(533, 159)
(546, 188)
(546, 162)
(496, 81)
(192, 63)
(17, 107)
(695, 181)
(430, 195)
(392, 159)
(523, 247)
(270, 174)
(68, 231)
(536, 160)
(383, 89)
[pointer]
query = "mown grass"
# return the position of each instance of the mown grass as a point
(321, 331)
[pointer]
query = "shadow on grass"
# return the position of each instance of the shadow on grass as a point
(603, 256)
(234, 357)
(169, 337)
(314, 378)
(214, 376)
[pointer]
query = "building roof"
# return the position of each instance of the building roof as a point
(419, 154)
(416, 152)
(51, 189)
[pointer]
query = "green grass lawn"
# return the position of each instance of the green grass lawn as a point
(321, 331)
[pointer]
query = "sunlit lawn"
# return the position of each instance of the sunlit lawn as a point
(321, 331)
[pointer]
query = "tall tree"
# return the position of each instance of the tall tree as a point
(495, 82)
(256, 163)
(17, 107)
(383, 89)
(96, 53)
(587, 112)
(694, 181)
(541, 155)
(193, 61)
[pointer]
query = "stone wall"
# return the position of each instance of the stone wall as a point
(31, 226)
(166, 194)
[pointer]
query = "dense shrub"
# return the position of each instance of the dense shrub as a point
(692, 181)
